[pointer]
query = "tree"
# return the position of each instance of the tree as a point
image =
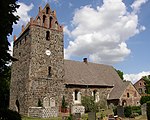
(89, 103)
(120, 73)
(7, 9)
(4, 87)
(147, 83)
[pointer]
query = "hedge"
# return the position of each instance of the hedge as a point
(6, 114)
(148, 110)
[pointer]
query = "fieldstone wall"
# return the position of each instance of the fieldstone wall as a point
(37, 75)
(42, 112)
(20, 73)
(130, 97)
(78, 109)
(101, 93)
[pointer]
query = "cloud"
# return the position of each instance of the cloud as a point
(70, 4)
(66, 31)
(135, 77)
(137, 4)
(11, 48)
(46, 1)
(23, 13)
(101, 34)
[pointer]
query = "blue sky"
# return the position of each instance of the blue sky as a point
(114, 32)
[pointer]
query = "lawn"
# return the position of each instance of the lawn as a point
(28, 118)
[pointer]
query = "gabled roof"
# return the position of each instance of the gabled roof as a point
(117, 91)
(81, 73)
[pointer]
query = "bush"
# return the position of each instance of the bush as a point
(144, 99)
(89, 104)
(133, 115)
(148, 110)
(127, 111)
(6, 114)
(136, 109)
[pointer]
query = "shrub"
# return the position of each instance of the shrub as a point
(127, 111)
(148, 110)
(6, 114)
(89, 104)
(70, 117)
(64, 103)
(133, 115)
(144, 99)
(136, 109)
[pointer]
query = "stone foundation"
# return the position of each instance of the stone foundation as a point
(78, 109)
(41, 112)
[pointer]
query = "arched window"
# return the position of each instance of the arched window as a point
(39, 20)
(56, 25)
(76, 95)
(47, 10)
(47, 35)
(94, 94)
(18, 105)
(44, 18)
(49, 72)
(128, 95)
(50, 22)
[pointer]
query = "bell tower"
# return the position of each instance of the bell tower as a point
(38, 73)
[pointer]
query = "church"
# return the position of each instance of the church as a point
(41, 76)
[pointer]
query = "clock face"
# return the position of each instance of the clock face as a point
(48, 52)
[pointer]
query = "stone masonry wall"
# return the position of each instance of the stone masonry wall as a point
(134, 97)
(20, 72)
(102, 93)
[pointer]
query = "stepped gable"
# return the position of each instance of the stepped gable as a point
(46, 18)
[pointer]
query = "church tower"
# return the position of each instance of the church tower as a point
(37, 76)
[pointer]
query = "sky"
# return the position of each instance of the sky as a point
(113, 32)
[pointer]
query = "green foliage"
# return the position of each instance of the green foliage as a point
(147, 83)
(4, 87)
(89, 104)
(64, 103)
(132, 111)
(7, 9)
(148, 110)
(136, 109)
(6, 114)
(144, 99)
(40, 103)
(70, 117)
(120, 73)
(127, 111)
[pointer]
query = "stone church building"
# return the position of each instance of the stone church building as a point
(42, 75)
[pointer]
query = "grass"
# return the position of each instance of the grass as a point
(28, 118)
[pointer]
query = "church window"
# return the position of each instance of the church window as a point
(39, 21)
(50, 22)
(19, 53)
(18, 105)
(44, 17)
(76, 94)
(47, 10)
(94, 94)
(128, 95)
(49, 72)
(56, 25)
(47, 35)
